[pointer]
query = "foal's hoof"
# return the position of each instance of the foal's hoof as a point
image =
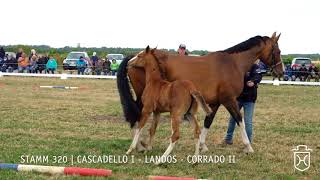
(248, 150)
(129, 151)
(140, 147)
(203, 148)
(149, 148)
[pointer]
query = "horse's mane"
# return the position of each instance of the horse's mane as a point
(246, 45)
(160, 57)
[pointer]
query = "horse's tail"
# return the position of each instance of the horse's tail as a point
(130, 107)
(199, 98)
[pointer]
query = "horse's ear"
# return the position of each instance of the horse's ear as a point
(277, 38)
(153, 50)
(273, 36)
(147, 49)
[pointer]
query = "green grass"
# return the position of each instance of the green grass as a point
(89, 121)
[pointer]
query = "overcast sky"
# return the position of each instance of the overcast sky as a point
(200, 24)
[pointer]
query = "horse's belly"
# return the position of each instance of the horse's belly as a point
(207, 86)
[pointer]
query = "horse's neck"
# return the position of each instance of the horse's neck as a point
(246, 59)
(153, 74)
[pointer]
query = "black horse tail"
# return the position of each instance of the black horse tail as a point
(131, 108)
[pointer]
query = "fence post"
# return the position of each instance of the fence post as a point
(276, 82)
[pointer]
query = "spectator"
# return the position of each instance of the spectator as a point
(19, 53)
(313, 73)
(33, 53)
(182, 50)
(114, 67)
(23, 63)
(288, 72)
(51, 65)
(303, 73)
(81, 65)
(89, 66)
(294, 72)
(94, 60)
(33, 64)
(246, 100)
(11, 63)
(99, 66)
(2, 57)
(4, 63)
(2, 54)
(41, 63)
(107, 66)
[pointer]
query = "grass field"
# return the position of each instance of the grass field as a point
(88, 121)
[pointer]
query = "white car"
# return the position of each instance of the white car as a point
(117, 57)
(71, 61)
(299, 61)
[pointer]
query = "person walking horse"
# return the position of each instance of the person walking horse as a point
(246, 100)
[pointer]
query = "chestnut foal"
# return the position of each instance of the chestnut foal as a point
(177, 97)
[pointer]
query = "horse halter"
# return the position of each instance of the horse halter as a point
(274, 64)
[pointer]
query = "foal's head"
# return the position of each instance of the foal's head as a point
(271, 55)
(143, 58)
(149, 59)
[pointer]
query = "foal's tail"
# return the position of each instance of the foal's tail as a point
(198, 97)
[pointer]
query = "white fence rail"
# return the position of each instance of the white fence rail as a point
(66, 76)
(301, 83)
(61, 76)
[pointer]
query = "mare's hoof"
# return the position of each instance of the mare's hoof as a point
(203, 148)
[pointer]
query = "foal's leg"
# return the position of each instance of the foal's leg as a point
(207, 123)
(153, 128)
(233, 108)
(196, 134)
(175, 121)
(142, 122)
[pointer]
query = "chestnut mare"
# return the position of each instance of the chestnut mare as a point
(218, 76)
(177, 97)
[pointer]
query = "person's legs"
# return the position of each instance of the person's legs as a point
(98, 72)
(27, 68)
(79, 71)
(20, 69)
(82, 70)
(248, 108)
(231, 127)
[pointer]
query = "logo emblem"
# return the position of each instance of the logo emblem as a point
(301, 156)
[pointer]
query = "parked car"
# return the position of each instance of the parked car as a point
(71, 61)
(301, 60)
(117, 57)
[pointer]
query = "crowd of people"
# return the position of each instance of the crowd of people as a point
(303, 73)
(44, 63)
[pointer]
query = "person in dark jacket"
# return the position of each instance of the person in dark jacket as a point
(313, 73)
(303, 73)
(2, 53)
(2, 58)
(94, 60)
(43, 59)
(246, 100)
